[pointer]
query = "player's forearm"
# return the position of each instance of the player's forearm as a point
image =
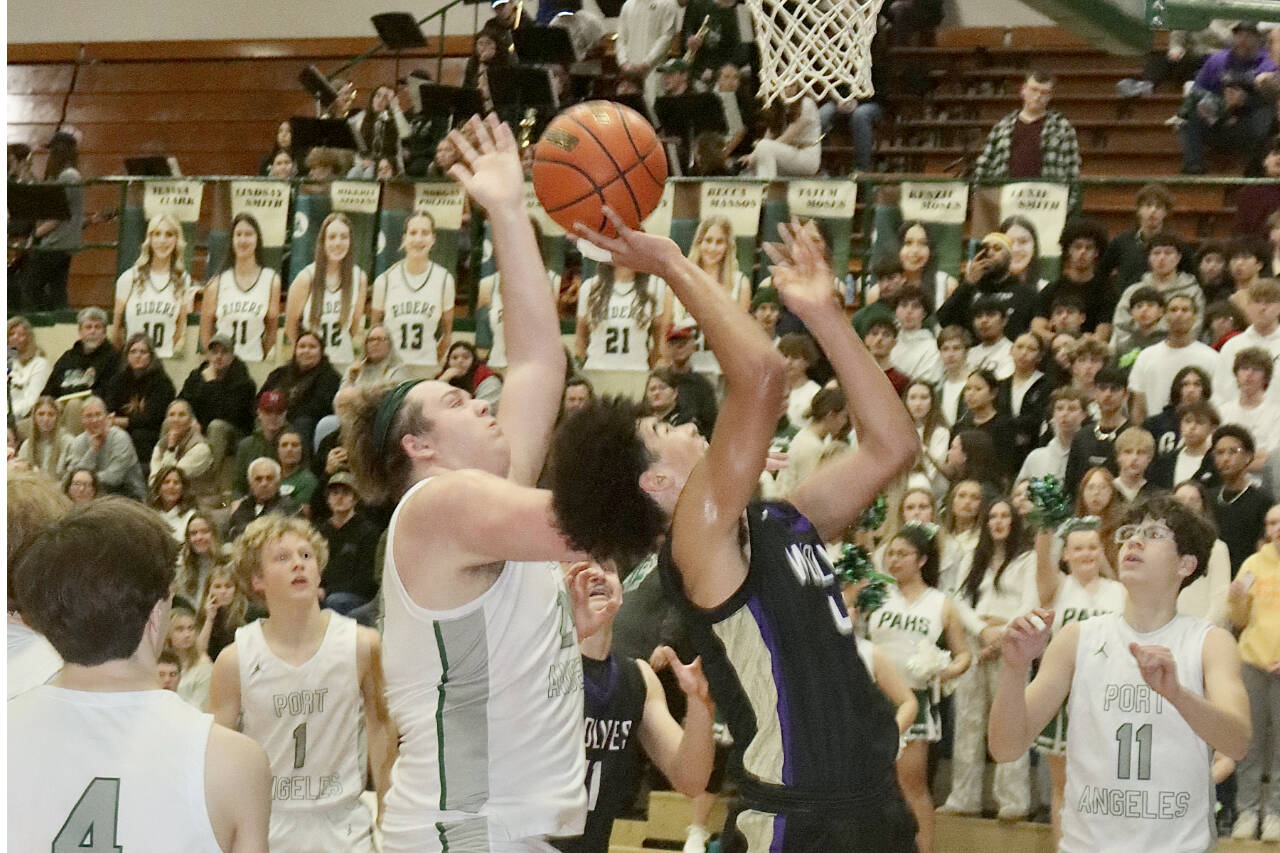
(532, 325)
(1226, 729)
(696, 753)
(1008, 735)
(888, 429)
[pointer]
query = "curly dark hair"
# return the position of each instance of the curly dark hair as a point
(597, 457)
(382, 474)
(1193, 533)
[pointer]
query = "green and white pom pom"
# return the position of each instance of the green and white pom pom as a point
(855, 566)
(873, 516)
(1051, 505)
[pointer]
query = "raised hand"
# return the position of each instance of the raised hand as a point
(1026, 637)
(490, 168)
(800, 269)
(1158, 669)
(689, 676)
(597, 595)
(637, 250)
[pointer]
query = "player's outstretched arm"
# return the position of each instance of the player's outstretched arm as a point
(237, 790)
(1221, 716)
(1019, 710)
(224, 688)
(491, 173)
(380, 731)
(834, 494)
(685, 756)
(704, 527)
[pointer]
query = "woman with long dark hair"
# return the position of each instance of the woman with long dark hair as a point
(170, 495)
(920, 265)
(1191, 384)
(182, 445)
(139, 394)
(464, 369)
(381, 127)
(1024, 257)
(56, 240)
(242, 302)
(622, 318)
(328, 296)
(999, 587)
(308, 382)
(982, 401)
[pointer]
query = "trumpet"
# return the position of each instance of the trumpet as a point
(700, 34)
(526, 127)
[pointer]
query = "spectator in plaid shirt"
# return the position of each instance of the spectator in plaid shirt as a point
(1033, 142)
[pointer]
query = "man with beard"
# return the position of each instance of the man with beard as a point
(988, 275)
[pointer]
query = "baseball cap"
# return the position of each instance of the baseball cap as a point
(682, 331)
(223, 341)
(341, 478)
(272, 402)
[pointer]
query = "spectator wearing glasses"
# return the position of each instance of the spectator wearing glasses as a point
(1239, 507)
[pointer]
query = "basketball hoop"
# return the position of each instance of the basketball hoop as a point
(823, 46)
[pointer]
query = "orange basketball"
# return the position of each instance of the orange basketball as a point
(598, 153)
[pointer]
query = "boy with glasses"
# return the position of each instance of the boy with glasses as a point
(1239, 507)
(1151, 695)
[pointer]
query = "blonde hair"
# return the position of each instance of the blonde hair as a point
(177, 262)
(37, 439)
(233, 614)
(246, 557)
(728, 266)
(1135, 438)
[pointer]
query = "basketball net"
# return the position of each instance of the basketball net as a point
(823, 46)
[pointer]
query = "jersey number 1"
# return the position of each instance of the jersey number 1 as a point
(299, 746)
(92, 823)
(1125, 736)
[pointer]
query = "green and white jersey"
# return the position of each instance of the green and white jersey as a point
(704, 360)
(488, 701)
(1138, 777)
(242, 313)
(107, 772)
(619, 341)
(155, 308)
(498, 351)
(413, 307)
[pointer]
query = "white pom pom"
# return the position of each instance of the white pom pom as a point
(1036, 621)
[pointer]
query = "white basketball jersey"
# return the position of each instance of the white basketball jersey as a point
(154, 308)
(704, 360)
(32, 660)
(107, 771)
(498, 351)
(242, 314)
(900, 626)
(1073, 603)
(335, 329)
(309, 719)
(619, 341)
(1137, 775)
(413, 308)
(487, 698)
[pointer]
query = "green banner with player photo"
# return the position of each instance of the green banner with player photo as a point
(940, 206)
(147, 199)
(359, 201)
(1045, 205)
(309, 211)
(268, 203)
(741, 202)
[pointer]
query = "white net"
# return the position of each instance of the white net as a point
(817, 47)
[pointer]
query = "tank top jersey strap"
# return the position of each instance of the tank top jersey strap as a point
(1138, 777)
(614, 692)
(809, 725)
(124, 769)
(242, 312)
(308, 718)
(487, 698)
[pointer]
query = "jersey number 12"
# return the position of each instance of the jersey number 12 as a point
(92, 822)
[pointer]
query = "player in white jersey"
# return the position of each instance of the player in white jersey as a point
(101, 758)
(337, 315)
(307, 684)
(490, 293)
(622, 315)
(154, 295)
(1078, 595)
(1151, 694)
(484, 678)
(907, 629)
(715, 252)
(414, 298)
(243, 301)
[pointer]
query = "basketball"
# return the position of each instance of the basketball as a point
(596, 154)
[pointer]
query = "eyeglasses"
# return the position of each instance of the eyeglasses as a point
(1228, 451)
(1148, 532)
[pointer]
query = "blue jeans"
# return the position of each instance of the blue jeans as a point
(862, 127)
(1247, 135)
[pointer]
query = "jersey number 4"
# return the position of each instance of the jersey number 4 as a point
(92, 823)
(1125, 736)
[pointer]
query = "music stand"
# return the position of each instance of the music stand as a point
(544, 46)
(36, 202)
(318, 86)
(636, 102)
(311, 133)
(456, 102)
(685, 116)
(398, 31)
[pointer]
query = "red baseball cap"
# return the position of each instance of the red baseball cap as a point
(272, 402)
